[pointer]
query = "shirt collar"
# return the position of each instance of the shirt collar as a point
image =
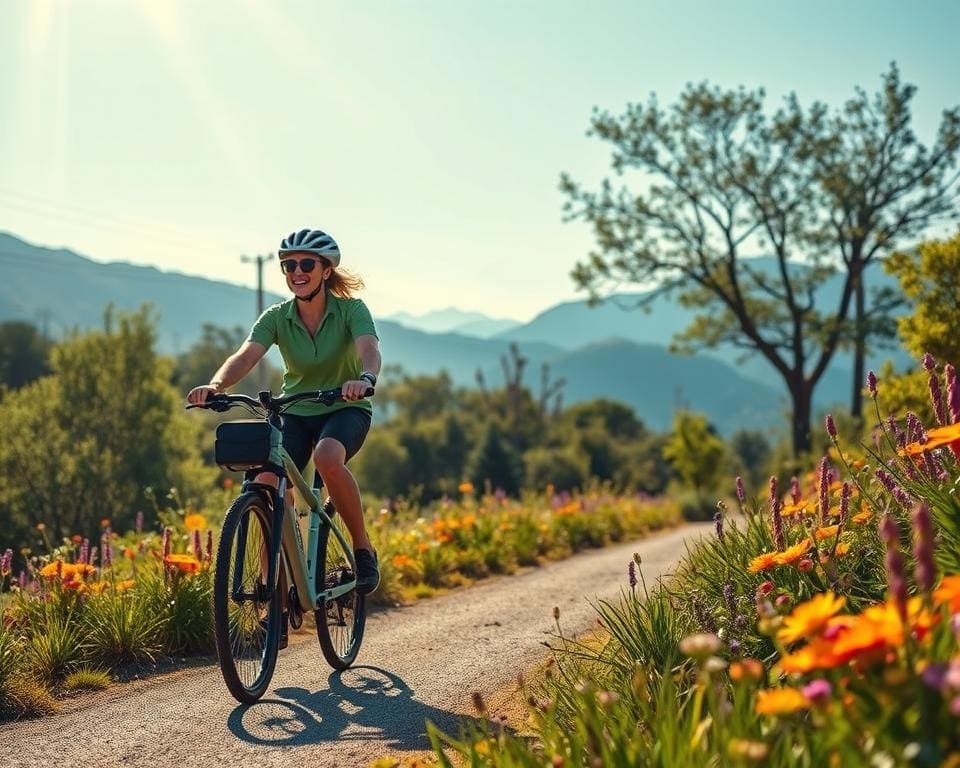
(293, 316)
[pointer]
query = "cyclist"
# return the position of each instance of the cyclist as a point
(327, 339)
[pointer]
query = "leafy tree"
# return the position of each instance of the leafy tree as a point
(494, 461)
(752, 451)
(198, 364)
(563, 468)
(727, 178)
(86, 442)
(695, 451)
(24, 353)
(618, 420)
(877, 188)
(382, 466)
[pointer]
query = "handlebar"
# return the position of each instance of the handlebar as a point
(271, 404)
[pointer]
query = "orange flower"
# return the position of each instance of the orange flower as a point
(863, 516)
(792, 554)
(185, 563)
(465, 487)
(105, 522)
(780, 701)
(76, 538)
(129, 553)
(74, 584)
(402, 561)
(763, 562)
(815, 655)
(827, 532)
(948, 593)
(124, 585)
(809, 618)
(195, 522)
(867, 636)
(936, 438)
(748, 669)
(799, 508)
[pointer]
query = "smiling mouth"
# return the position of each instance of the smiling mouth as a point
(301, 281)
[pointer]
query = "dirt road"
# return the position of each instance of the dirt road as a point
(417, 663)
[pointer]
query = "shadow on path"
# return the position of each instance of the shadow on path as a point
(361, 704)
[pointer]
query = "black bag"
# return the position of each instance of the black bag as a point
(244, 444)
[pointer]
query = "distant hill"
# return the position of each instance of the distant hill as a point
(67, 291)
(453, 320)
(572, 324)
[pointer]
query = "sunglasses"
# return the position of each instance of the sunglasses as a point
(306, 265)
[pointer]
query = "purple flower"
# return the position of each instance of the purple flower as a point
(197, 548)
(824, 491)
(934, 676)
(795, 494)
(704, 617)
(741, 492)
(632, 574)
(844, 501)
(936, 396)
(928, 362)
(85, 552)
(730, 598)
(6, 563)
(895, 490)
(23, 579)
(893, 562)
(139, 523)
(209, 545)
(925, 570)
(107, 549)
(831, 426)
(899, 435)
(953, 392)
(872, 383)
(777, 519)
(817, 691)
(718, 523)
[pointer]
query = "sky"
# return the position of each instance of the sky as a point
(428, 137)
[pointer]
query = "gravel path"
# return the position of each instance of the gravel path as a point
(417, 663)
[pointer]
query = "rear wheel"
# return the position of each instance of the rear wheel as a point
(246, 620)
(341, 620)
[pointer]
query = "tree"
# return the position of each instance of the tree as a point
(86, 442)
(24, 353)
(725, 178)
(752, 451)
(562, 468)
(878, 187)
(200, 362)
(494, 461)
(695, 451)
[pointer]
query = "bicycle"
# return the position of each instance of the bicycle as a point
(247, 579)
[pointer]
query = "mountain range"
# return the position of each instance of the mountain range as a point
(601, 351)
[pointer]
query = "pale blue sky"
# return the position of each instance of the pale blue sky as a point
(428, 137)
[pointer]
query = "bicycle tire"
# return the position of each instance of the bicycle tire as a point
(340, 623)
(247, 632)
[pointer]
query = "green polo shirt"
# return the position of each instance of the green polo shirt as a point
(322, 361)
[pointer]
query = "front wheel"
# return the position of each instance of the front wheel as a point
(340, 621)
(246, 611)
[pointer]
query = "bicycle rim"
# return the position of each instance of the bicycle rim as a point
(246, 623)
(340, 621)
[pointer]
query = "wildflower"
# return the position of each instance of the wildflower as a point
(810, 617)
(933, 384)
(185, 563)
(765, 588)
(872, 383)
(948, 593)
(817, 691)
(824, 490)
(762, 562)
(826, 533)
(465, 487)
(6, 563)
(209, 552)
(792, 554)
(893, 561)
(863, 515)
(815, 655)
(899, 436)
(925, 571)
(703, 615)
(895, 490)
(746, 749)
(700, 646)
(195, 522)
(777, 519)
(85, 551)
(730, 598)
(741, 492)
(129, 553)
(747, 670)
(935, 438)
(632, 574)
(138, 525)
(41, 526)
(780, 701)
(197, 548)
(718, 523)
(105, 522)
(805, 565)
(795, 490)
(831, 426)
(844, 502)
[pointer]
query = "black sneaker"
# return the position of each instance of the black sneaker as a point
(368, 572)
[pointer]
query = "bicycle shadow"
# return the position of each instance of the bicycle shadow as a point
(363, 703)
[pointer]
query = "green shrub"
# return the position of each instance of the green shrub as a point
(86, 679)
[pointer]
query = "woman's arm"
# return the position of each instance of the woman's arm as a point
(368, 350)
(234, 368)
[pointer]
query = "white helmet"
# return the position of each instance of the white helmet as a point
(312, 241)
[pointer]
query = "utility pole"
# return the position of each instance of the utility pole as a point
(261, 372)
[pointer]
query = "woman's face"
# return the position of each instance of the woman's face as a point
(304, 271)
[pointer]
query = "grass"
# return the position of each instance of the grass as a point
(86, 679)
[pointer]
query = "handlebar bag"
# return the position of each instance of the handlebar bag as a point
(243, 444)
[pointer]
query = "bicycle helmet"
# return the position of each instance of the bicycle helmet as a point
(312, 241)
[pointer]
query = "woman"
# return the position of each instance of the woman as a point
(327, 339)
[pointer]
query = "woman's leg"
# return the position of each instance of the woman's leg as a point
(330, 458)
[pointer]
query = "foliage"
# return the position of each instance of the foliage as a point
(820, 191)
(494, 462)
(24, 354)
(561, 467)
(87, 679)
(695, 451)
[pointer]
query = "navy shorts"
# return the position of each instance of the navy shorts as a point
(348, 426)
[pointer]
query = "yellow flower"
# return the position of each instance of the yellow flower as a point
(809, 618)
(763, 562)
(195, 522)
(792, 554)
(862, 516)
(827, 532)
(465, 487)
(780, 701)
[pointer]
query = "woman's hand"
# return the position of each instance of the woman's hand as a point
(200, 395)
(355, 389)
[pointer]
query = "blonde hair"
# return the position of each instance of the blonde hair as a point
(344, 284)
